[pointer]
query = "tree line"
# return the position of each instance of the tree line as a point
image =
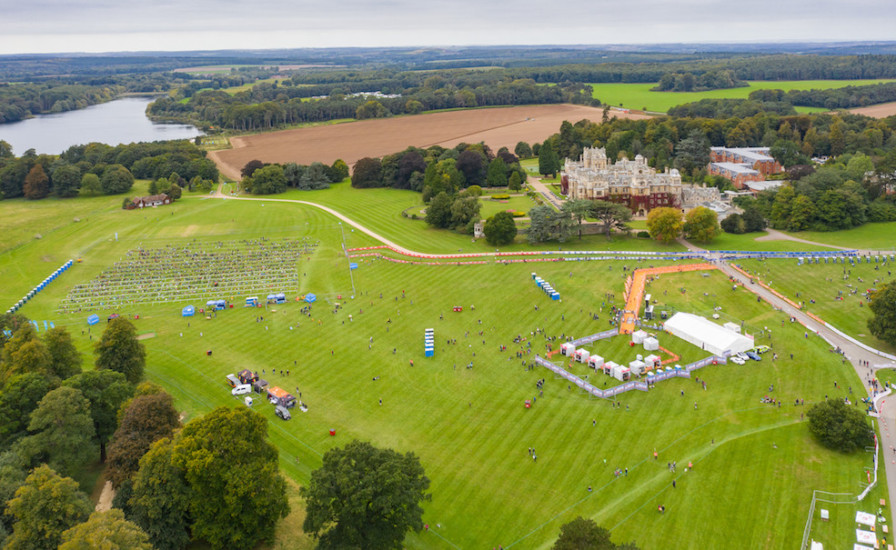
(96, 168)
(689, 82)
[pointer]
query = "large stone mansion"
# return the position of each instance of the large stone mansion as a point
(629, 182)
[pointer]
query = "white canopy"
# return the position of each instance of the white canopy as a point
(651, 343)
(638, 336)
(708, 335)
(865, 518)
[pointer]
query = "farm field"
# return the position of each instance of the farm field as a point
(882, 110)
(497, 127)
(831, 286)
(755, 463)
(639, 96)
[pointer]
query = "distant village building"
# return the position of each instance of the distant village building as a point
(151, 200)
(629, 182)
(743, 164)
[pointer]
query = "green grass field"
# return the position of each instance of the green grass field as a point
(639, 96)
(825, 283)
(747, 241)
(876, 236)
(469, 426)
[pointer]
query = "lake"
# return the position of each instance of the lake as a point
(115, 122)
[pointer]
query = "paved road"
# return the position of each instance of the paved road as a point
(543, 190)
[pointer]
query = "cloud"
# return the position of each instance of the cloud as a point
(107, 25)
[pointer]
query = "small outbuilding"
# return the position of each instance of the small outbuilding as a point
(260, 385)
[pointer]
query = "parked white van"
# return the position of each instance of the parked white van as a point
(242, 389)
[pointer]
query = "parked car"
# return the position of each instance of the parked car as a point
(241, 389)
(754, 356)
(736, 360)
(761, 349)
(282, 412)
(233, 380)
(742, 356)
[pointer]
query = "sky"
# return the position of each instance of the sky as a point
(49, 26)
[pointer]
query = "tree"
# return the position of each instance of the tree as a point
(692, 152)
(701, 224)
(90, 183)
(147, 419)
(227, 510)
(753, 219)
(338, 171)
(583, 534)
(119, 350)
(32, 356)
(37, 184)
(107, 531)
(515, 183)
(613, 215)
(802, 214)
(471, 164)
(153, 188)
(839, 427)
(175, 192)
(116, 179)
(11, 478)
(365, 497)
(44, 507)
(315, 177)
(497, 173)
(500, 229)
(368, 172)
(578, 209)
(248, 170)
(523, 150)
(548, 162)
(19, 398)
(371, 109)
(65, 360)
(63, 429)
(664, 224)
(883, 306)
(266, 181)
(734, 224)
(780, 215)
(66, 180)
(160, 500)
(540, 225)
(106, 390)
(438, 213)
(464, 209)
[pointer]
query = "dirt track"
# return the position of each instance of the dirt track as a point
(881, 110)
(498, 127)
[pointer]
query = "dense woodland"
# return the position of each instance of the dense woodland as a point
(97, 168)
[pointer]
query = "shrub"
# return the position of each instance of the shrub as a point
(839, 427)
(501, 196)
(518, 214)
(643, 235)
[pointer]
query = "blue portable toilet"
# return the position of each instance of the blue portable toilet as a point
(188, 311)
(533, 275)
(310, 298)
(93, 319)
(555, 296)
(429, 352)
(353, 265)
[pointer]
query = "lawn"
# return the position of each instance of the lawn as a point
(639, 96)
(876, 236)
(469, 426)
(831, 287)
(747, 241)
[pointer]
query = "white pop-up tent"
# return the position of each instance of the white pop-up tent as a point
(651, 343)
(638, 336)
(595, 361)
(653, 360)
(621, 373)
(582, 355)
(707, 335)
(637, 366)
(567, 348)
(608, 367)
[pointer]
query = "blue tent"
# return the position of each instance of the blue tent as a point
(353, 265)
(93, 319)
(280, 298)
(188, 311)
(310, 298)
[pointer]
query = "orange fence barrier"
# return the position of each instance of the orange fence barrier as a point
(636, 290)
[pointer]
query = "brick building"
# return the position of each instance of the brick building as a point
(742, 164)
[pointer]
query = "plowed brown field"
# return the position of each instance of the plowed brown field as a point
(498, 127)
(881, 110)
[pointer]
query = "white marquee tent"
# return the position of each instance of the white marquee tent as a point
(704, 333)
